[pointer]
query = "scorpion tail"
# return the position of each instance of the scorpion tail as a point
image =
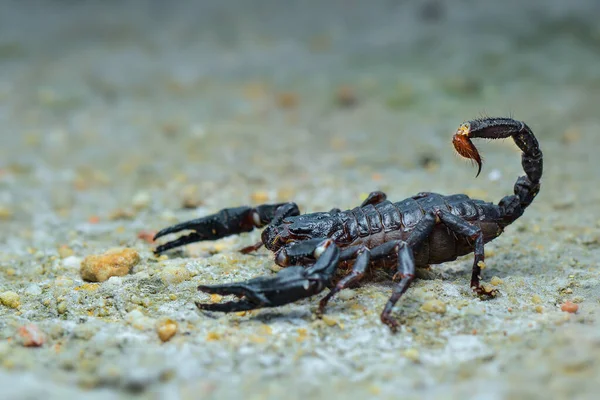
(526, 187)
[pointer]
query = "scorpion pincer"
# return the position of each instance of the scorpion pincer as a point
(425, 229)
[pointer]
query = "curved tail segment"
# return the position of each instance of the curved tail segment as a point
(526, 187)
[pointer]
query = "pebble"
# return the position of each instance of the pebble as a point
(495, 175)
(141, 200)
(115, 262)
(569, 307)
(346, 294)
(65, 251)
(166, 329)
(435, 306)
(173, 275)
(412, 354)
(496, 281)
(346, 96)
(146, 236)
(71, 262)
(61, 307)
(5, 213)
(33, 290)
(138, 320)
(10, 299)
(31, 336)
(287, 100)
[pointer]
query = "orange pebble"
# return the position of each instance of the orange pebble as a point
(31, 335)
(569, 307)
(94, 219)
(147, 236)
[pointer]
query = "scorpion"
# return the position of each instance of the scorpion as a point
(424, 229)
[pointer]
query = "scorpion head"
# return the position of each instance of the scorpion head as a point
(275, 236)
(297, 229)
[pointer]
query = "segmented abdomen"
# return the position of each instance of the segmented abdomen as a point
(386, 221)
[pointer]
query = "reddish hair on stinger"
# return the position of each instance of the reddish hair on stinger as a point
(465, 147)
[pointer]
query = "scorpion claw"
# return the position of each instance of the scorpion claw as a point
(230, 306)
(288, 285)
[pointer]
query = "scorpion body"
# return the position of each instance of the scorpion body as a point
(425, 229)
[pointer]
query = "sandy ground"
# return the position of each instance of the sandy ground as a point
(115, 118)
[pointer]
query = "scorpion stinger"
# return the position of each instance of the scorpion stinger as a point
(419, 231)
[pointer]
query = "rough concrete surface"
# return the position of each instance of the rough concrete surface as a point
(121, 118)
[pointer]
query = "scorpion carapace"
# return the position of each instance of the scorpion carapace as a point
(424, 229)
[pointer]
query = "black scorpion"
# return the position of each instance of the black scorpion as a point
(425, 229)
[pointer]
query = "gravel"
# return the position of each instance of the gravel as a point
(119, 119)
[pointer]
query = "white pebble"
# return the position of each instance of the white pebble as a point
(141, 200)
(33, 290)
(495, 175)
(114, 281)
(72, 262)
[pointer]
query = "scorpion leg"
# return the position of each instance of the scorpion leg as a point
(363, 257)
(287, 286)
(373, 198)
(406, 266)
(406, 273)
(362, 254)
(228, 221)
(474, 233)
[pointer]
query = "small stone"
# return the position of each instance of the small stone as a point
(72, 262)
(287, 100)
(138, 320)
(31, 336)
(435, 306)
(496, 281)
(260, 197)
(146, 236)
(33, 290)
(10, 299)
(329, 321)
(114, 281)
(65, 251)
(190, 197)
(115, 262)
(120, 214)
(346, 294)
(173, 275)
(412, 354)
(166, 329)
(495, 175)
(346, 96)
(571, 135)
(61, 307)
(5, 213)
(535, 299)
(63, 281)
(141, 200)
(569, 307)
(539, 309)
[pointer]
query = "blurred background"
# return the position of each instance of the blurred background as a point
(149, 91)
(118, 118)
